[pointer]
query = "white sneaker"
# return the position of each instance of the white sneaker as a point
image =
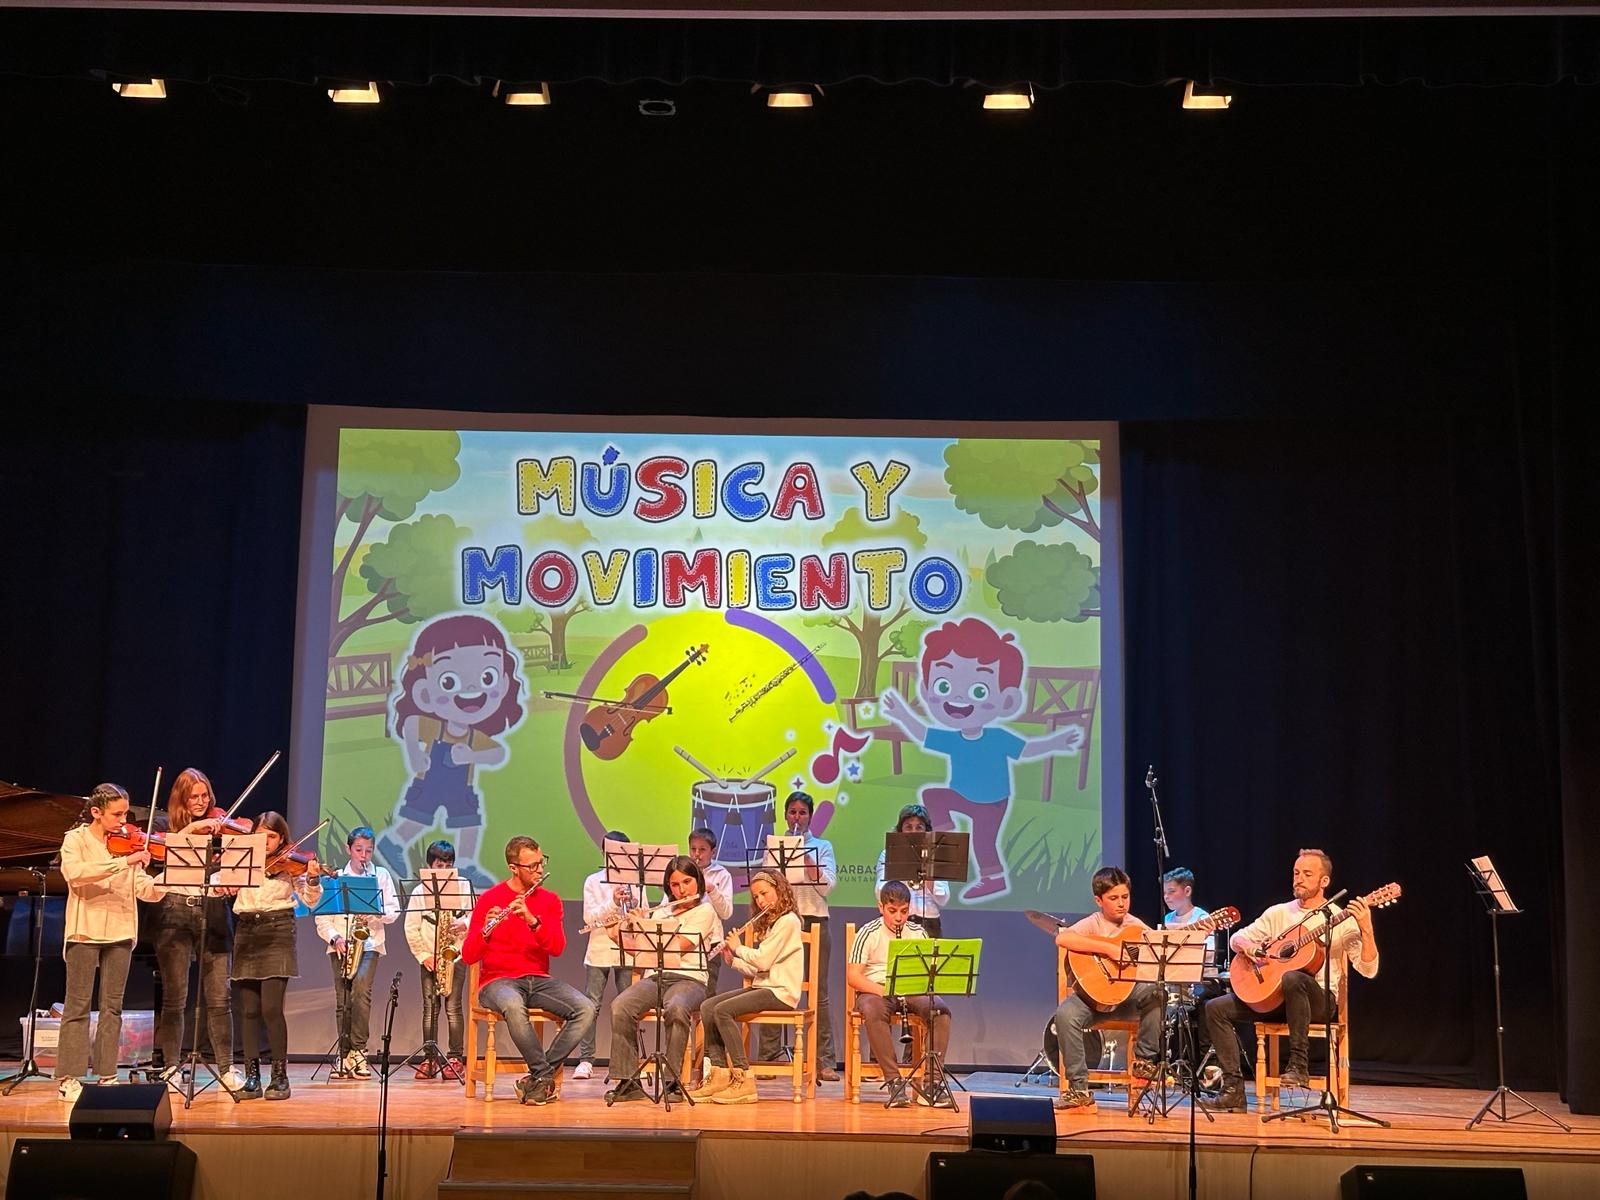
(232, 1080)
(583, 1070)
(358, 1065)
(70, 1090)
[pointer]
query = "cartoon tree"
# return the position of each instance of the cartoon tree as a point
(549, 532)
(384, 473)
(868, 627)
(906, 640)
(412, 574)
(1025, 485)
(1055, 582)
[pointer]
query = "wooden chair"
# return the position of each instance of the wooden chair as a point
(856, 1069)
(1268, 1063)
(477, 1016)
(1130, 1029)
(802, 1068)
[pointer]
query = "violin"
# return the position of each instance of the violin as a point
(227, 824)
(295, 864)
(607, 729)
(130, 839)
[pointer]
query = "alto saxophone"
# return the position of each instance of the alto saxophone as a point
(445, 952)
(353, 946)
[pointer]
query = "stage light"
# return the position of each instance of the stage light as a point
(790, 95)
(533, 92)
(141, 89)
(354, 94)
(1205, 95)
(1015, 99)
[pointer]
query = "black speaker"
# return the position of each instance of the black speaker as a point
(1433, 1183)
(1011, 1124)
(983, 1175)
(56, 1169)
(133, 1112)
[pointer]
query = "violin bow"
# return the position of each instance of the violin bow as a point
(579, 697)
(251, 786)
(289, 849)
(155, 795)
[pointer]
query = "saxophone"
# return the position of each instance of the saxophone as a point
(445, 951)
(353, 946)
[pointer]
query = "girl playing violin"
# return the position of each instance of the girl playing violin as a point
(181, 925)
(264, 957)
(683, 979)
(774, 964)
(103, 891)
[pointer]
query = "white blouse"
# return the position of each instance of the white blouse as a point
(103, 890)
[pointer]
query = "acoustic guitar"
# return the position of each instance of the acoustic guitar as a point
(1105, 983)
(1260, 984)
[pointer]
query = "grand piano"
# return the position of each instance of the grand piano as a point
(32, 824)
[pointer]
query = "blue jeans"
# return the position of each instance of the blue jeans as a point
(512, 998)
(1075, 1018)
(595, 989)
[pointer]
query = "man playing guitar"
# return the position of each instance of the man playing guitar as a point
(1094, 934)
(1304, 1001)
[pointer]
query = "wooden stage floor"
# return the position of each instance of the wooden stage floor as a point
(1427, 1124)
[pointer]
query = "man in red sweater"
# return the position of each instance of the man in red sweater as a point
(515, 929)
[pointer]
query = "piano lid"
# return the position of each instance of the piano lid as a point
(32, 824)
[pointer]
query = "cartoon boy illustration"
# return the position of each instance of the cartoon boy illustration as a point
(971, 679)
(459, 690)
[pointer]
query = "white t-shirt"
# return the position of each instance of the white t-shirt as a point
(599, 906)
(811, 899)
(719, 889)
(1173, 921)
(330, 927)
(702, 919)
(871, 947)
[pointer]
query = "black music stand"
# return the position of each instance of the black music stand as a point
(1166, 956)
(919, 858)
(30, 1065)
(446, 893)
(346, 896)
(634, 864)
(1497, 902)
(240, 862)
(1327, 1105)
(643, 940)
(929, 967)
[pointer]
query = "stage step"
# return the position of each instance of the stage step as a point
(557, 1164)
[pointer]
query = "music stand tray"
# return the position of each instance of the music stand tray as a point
(918, 858)
(1163, 956)
(788, 854)
(637, 863)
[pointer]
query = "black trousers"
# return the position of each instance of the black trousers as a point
(1304, 1001)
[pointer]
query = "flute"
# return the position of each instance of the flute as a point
(672, 908)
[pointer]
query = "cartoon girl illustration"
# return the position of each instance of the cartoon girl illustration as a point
(460, 689)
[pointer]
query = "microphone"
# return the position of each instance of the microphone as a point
(394, 989)
(1150, 779)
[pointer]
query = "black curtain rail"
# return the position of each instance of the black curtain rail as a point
(307, 48)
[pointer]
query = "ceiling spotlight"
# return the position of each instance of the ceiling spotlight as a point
(359, 93)
(792, 95)
(1205, 95)
(532, 92)
(141, 89)
(1014, 99)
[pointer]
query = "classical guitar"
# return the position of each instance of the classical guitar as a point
(1259, 984)
(1105, 983)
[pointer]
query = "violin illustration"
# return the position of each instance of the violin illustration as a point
(607, 729)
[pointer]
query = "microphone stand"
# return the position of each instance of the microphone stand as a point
(30, 1067)
(383, 1085)
(1160, 839)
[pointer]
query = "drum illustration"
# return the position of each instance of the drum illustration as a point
(742, 815)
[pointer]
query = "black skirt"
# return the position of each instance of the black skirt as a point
(263, 945)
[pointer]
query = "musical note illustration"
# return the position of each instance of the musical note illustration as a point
(825, 767)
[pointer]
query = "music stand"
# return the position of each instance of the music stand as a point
(920, 858)
(187, 872)
(932, 967)
(636, 863)
(1497, 902)
(654, 939)
(1327, 1104)
(346, 896)
(1163, 956)
(446, 893)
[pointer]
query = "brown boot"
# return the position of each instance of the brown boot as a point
(717, 1080)
(741, 1089)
